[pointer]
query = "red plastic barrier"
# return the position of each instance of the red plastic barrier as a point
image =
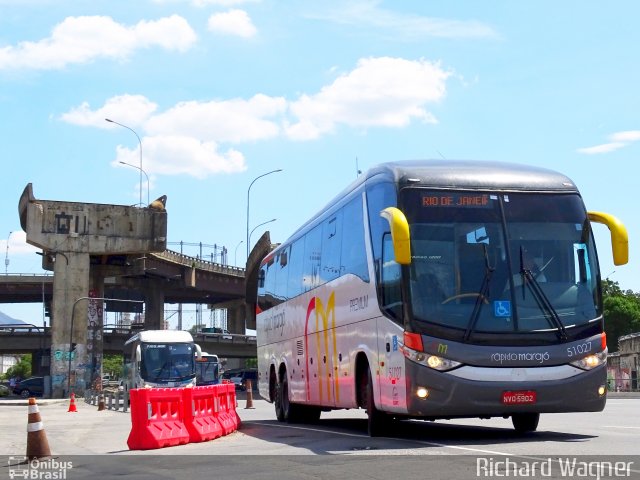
(157, 418)
(227, 414)
(200, 406)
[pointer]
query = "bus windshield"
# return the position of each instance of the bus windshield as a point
(485, 263)
(207, 370)
(167, 362)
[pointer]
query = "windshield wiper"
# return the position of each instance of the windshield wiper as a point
(541, 298)
(482, 295)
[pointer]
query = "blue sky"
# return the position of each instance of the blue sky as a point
(221, 91)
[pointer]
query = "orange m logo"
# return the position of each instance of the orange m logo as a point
(325, 321)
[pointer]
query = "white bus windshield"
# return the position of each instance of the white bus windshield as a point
(167, 362)
(486, 263)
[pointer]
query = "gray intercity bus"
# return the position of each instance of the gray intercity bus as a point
(439, 289)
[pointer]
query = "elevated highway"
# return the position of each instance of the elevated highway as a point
(27, 339)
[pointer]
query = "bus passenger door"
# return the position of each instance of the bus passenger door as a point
(390, 368)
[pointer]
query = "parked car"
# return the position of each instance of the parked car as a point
(251, 374)
(239, 376)
(4, 390)
(30, 387)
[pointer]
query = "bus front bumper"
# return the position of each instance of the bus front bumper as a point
(452, 396)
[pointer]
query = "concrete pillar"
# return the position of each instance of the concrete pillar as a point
(69, 350)
(95, 325)
(154, 306)
(236, 317)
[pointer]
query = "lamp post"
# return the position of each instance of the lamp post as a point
(6, 258)
(145, 174)
(248, 191)
(140, 142)
(73, 311)
(235, 257)
(258, 226)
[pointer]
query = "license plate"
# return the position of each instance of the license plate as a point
(524, 397)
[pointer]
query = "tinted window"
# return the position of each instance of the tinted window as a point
(354, 254)
(331, 248)
(296, 268)
(312, 255)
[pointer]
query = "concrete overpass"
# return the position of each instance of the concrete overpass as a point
(37, 340)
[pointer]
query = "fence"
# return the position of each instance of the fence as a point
(118, 400)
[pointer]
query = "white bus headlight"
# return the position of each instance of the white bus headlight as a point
(432, 361)
(591, 361)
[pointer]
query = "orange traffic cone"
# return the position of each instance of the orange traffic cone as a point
(37, 444)
(72, 403)
(249, 394)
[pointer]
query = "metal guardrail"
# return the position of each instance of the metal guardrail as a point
(113, 400)
(188, 261)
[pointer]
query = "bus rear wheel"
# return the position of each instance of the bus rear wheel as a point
(525, 422)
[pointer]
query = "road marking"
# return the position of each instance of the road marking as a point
(618, 426)
(360, 435)
(430, 444)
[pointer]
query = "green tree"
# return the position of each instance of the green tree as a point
(113, 364)
(621, 312)
(22, 369)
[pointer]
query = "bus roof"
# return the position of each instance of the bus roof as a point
(452, 174)
(475, 175)
(161, 336)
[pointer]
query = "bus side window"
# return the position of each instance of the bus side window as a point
(390, 280)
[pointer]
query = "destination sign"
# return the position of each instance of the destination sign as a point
(465, 200)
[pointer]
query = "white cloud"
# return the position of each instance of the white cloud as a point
(234, 120)
(17, 245)
(205, 3)
(628, 136)
(617, 140)
(83, 39)
(174, 155)
(130, 110)
(368, 13)
(223, 3)
(187, 138)
(233, 22)
(383, 92)
(604, 148)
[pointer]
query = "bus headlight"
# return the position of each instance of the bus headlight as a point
(591, 361)
(429, 360)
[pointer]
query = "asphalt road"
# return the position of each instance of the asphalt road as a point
(336, 447)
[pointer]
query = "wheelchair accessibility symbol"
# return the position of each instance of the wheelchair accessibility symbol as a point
(502, 308)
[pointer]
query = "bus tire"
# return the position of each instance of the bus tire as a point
(376, 420)
(278, 403)
(525, 422)
(292, 412)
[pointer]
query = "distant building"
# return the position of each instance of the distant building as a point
(623, 365)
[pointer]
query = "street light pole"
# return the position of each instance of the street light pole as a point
(6, 258)
(258, 226)
(145, 174)
(248, 191)
(140, 142)
(235, 257)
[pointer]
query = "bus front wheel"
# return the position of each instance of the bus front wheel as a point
(377, 421)
(525, 422)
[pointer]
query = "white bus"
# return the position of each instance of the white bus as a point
(160, 358)
(207, 369)
(438, 289)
